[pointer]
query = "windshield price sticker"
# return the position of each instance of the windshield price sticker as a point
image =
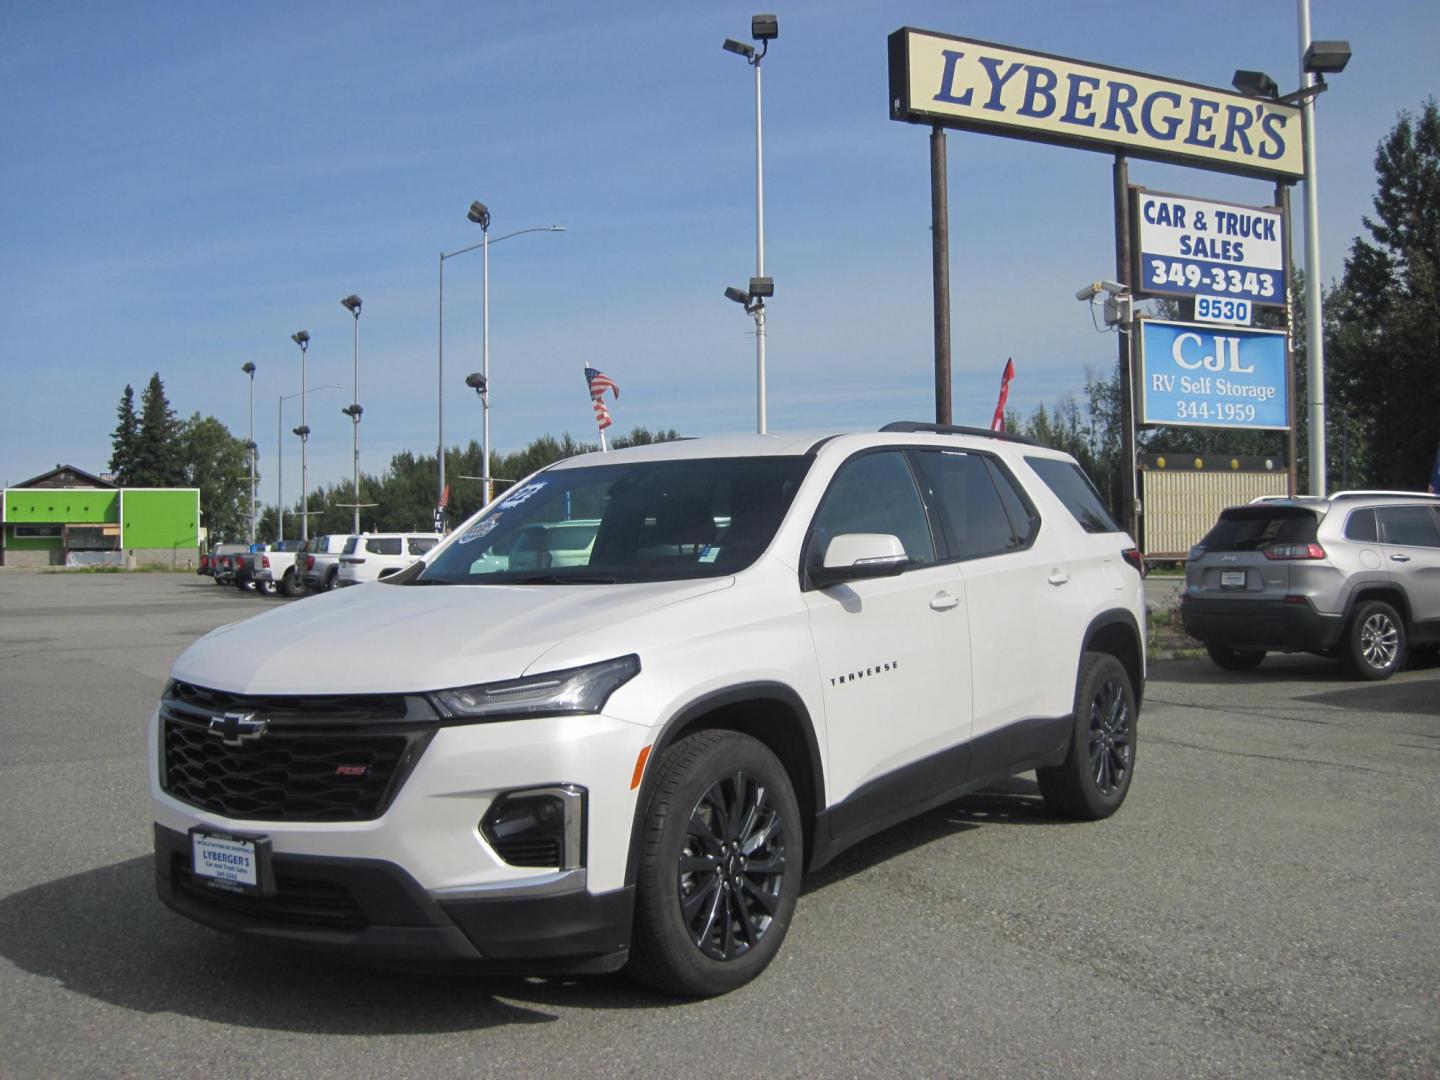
(1189, 247)
(1208, 376)
(1220, 309)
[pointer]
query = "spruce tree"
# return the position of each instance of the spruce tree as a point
(1383, 323)
(124, 438)
(158, 460)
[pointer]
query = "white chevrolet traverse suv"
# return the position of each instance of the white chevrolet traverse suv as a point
(766, 649)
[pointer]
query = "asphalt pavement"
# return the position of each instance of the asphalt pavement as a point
(1265, 904)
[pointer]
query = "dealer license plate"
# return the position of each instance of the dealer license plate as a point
(1232, 579)
(225, 860)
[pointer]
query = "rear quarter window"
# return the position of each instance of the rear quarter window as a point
(1073, 488)
(383, 545)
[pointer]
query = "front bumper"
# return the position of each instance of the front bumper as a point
(373, 909)
(1273, 625)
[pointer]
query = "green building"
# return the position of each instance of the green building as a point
(68, 517)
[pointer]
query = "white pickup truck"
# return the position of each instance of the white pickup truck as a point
(272, 570)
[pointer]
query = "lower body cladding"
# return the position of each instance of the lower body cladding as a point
(504, 850)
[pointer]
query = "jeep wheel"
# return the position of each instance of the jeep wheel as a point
(1235, 659)
(719, 868)
(1375, 641)
(1092, 781)
(291, 585)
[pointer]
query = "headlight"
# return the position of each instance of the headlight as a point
(555, 693)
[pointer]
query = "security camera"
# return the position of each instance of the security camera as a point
(1095, 288)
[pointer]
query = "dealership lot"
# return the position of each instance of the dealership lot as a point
(1265, 904)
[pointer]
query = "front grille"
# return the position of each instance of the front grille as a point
(298, 901)
(312, 762)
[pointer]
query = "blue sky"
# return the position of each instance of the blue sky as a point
(186, 185)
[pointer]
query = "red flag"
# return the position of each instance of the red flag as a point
(997, 422)
(444, 499)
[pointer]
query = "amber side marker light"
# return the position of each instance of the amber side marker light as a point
(640, 760)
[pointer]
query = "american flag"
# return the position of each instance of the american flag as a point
(599, 383)
(602, 415)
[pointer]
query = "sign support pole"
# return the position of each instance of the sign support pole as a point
(1292, 467)
(1121, 177)
(940, 272)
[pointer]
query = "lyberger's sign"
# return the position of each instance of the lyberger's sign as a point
(962, 83)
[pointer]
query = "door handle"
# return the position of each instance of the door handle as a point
(1058, 577)
(1399, 558)
(944, 601)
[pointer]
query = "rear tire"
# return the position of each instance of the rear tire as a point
(291, 585)
(266, 588)
(331, 580)
(719, 868)
(1095, 776)
(1375, 641)
(1235, 659)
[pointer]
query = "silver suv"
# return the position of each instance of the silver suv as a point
(1355, 576)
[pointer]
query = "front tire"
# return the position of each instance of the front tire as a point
(1375, 641)
(1095, 776)
(720, 866)
(1235, 659)
(266, 588)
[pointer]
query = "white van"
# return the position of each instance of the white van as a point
(372, 556)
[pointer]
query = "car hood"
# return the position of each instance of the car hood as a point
(371, 639)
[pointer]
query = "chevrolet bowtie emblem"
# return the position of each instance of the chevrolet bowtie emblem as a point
(235, 728)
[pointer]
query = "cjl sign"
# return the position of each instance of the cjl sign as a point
(1209, 376)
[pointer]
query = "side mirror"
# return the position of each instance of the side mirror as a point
(856, 556)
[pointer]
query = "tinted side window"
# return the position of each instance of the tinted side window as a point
(1073, 488)
(874, 493)
(350, 545)
(383, 545)
(419, 545)
(975, 519)
(1360, 526)
(1413, 526)
(1024, 521)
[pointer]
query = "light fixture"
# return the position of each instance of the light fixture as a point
(354, 411)
(764, 27)
(762, 287)
(1327, 57)
(352, 304)
(303, 431)
(738, 295)
(1255, 84)
(739, 48)
(248, 368)
(301, 338)
(477, 382)
(479, 214)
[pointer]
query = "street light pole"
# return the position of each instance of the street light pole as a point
(280, 452)
(1314, 322)
(249, 369)
(764, 29)
(302, 338)
(352, 304)
(480, 214)
(440, 366)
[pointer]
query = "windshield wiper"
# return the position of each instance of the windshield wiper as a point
(560, 579)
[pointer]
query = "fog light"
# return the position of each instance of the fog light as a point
(538, 827)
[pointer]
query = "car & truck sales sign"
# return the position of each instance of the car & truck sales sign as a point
(1212, 376)
(976, 85)
(1195, 247)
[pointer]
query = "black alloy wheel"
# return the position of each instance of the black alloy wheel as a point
(731, 867)
(719, 872)
(1093, 780)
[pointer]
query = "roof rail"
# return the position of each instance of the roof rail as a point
(953, 429)
(1386, 494)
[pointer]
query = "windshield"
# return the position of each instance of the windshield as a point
(640, 521)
